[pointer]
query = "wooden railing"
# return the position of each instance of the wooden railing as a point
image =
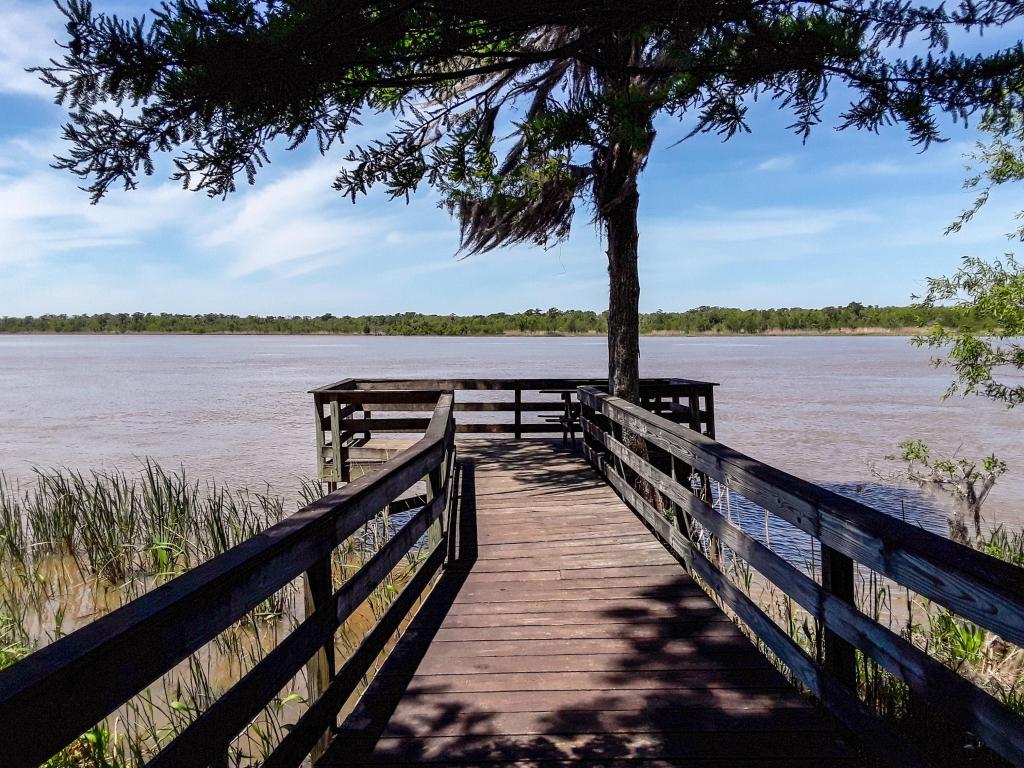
(653, 462)
(60, 691)
(349, 413)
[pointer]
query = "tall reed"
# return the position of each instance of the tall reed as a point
(74, 545)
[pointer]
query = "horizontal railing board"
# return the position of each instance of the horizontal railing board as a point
(960, 699)
(416, 425)
(972, 584)
(461, 407)
(653, 385)
(322, 713)
(507, 428)
(385, 425)
(161, 628)
(428, 396)
(201, 742)
(475, 384)
(840, 702)
(338, 385)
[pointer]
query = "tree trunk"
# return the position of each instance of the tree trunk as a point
(624, 297)
(616, 165)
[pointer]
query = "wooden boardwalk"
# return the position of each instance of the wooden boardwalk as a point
(558, 630)
(563, 633)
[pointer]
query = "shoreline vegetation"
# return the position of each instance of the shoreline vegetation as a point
(75, 546)
(854, 320)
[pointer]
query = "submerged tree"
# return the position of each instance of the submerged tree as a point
(516, 112)
(968, 481)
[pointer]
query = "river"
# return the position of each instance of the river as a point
(236, 408)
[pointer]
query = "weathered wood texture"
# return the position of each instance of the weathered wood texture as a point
(972, 584)
(564, 633)
(351, 412)
(62, 690)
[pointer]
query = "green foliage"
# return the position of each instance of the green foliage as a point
(952, 472)
(968, 481)
(954, 640)
(569, 88)
(702, 320)
(996, 163)
(1008, 546)
(991, 294)
(125, 529)
(14, 641)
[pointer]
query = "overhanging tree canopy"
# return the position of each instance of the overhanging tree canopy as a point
(515, 111)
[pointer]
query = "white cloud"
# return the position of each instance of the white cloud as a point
(42, 212)
(938, 158)
(752, 225)
(295, 224)
(289, 226)
(27, 35)
(874, 168)
(778, 163)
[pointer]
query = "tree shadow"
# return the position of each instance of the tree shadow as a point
(657, 677)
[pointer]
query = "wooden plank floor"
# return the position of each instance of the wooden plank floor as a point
(565, 634)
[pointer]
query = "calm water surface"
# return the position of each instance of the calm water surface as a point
(236, 407)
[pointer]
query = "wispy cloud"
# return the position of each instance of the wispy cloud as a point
(296, 224)
(42, 213)
(778, 163)
(754, 224)
(27, 35)
(291, 226)
(874, 168)
(941, 158)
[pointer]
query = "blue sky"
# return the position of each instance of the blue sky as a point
(762, 220)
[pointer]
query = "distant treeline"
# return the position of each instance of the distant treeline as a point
(703, 320)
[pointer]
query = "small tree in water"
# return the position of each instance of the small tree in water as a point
(514, 112)
(968, 481)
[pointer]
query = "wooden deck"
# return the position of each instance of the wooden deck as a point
(563, 633)
(560, 630)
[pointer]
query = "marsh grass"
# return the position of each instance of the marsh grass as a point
(74, 546)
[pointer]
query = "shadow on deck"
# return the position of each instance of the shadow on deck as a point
(562, 632)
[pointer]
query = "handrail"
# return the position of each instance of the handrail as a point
(350, 413)
(55, 694)
(977, 586)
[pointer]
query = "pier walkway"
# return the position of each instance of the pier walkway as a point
(565, 633)
(617, 598)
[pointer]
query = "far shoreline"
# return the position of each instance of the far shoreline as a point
(838, 332)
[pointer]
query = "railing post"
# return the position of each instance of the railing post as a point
(321, 444)
(435, 532)
(319, 590)
(681, 473)
(437, 481)
(338, 455)
(837, 578)
(709, 407)
(586, 416)
(519, 413)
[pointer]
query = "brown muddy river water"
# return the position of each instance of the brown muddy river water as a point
(236, 408)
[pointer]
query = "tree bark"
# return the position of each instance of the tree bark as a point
(617, 164)
(624, 296)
